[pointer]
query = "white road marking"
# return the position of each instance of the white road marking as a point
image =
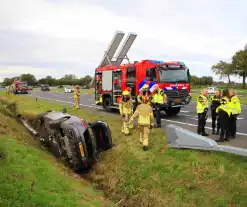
(178, 122)
(185, 111)
(209, 120)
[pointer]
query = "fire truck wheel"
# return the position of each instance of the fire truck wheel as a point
(107, 103)
(172, 111)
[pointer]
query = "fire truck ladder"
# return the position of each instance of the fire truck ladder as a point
(121, 55)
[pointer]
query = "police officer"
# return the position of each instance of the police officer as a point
(159, 99)
(76, 95)
(224, 115)
(235, 108)
(145, 116)
(202, 109)
(215, 103)
(126, 110)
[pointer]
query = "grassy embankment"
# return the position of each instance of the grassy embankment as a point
(32, 177)
(160, 176)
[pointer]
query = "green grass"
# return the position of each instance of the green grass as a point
(161, 176)
(32, 177)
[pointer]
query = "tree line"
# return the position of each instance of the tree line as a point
(66, 80)
(201, 81)
(73, 80)
(237, 67)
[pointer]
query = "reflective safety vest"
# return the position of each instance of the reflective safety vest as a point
(234, 105)
(158, 97)
(224, 105)
(202, 104)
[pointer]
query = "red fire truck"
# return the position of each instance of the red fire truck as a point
(19, 87)
(172, 76)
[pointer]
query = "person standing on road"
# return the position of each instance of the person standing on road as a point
(159, 99)
(224, 115)
(144, 112)
(235, 108)
(76, 95)
(215, 103)
(202, 109)
(126, 110)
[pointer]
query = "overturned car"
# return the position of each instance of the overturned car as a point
(71, 138)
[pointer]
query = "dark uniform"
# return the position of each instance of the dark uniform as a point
(224, 116)
(202, 109)
(215, 103)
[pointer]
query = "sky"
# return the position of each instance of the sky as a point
(58, 37)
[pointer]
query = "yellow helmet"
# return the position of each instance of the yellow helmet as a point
(126, 93)
(145, 86)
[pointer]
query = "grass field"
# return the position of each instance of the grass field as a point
(31, 177)
(160, 176)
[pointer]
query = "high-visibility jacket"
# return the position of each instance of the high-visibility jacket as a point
(202, 104)
(234, 105)
(144, 112)
(158, 97)
(125, 107)
(224, 105)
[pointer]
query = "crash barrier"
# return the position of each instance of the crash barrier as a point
(71, 138)
(178, 137)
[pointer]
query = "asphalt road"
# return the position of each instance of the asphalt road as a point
(187, 118)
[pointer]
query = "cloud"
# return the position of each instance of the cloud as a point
(70, 36)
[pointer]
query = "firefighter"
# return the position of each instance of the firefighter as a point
(158, 100)
(131, 125)
(126, 110)
(224, 115)
(145, 116)
(144, 92)
(76, 95)
(215, 103)
(202, 109)
(235, 108)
